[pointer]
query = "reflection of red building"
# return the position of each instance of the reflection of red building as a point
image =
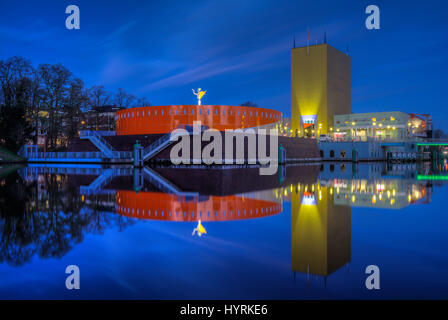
(164, 119)
(170, 207)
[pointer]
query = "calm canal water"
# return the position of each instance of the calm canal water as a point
(308, 232)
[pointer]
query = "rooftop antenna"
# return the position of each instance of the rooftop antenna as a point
(346, 50)
(325, 37)
(307, 41)
(294, 41)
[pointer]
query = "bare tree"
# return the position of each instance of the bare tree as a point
(123, 99)
(98, 96)
(55, 80)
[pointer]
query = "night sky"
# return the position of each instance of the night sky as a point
(238, 50)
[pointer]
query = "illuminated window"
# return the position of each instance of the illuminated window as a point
(392, 119)
(374, 119)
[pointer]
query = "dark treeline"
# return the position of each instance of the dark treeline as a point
(27, 91)
(50, 222)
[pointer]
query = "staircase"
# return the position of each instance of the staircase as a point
(160, 144)
(97, 139)
(99, 183)
(165, 185)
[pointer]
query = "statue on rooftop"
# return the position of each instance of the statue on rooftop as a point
(199, 95)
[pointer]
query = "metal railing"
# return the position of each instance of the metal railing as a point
(96, 135)
(163, 139)
(78, 155)
(64, 155)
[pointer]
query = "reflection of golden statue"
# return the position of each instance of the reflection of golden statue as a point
(199, 229)
(199, 95)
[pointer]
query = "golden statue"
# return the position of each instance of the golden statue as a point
(199, 95)
(199, 229)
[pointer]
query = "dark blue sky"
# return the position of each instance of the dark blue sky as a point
(238, 50)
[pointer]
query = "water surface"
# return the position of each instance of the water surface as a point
(308, 232)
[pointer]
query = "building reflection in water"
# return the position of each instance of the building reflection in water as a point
(48, 210)
(320, 231)
(321, 211)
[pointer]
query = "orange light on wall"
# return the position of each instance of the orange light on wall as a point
(163, 206)
(164, 119)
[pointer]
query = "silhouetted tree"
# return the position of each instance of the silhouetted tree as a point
(249, 104)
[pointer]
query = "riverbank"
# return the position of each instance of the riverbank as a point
(7, 156)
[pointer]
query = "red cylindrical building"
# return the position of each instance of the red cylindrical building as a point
(164, 119)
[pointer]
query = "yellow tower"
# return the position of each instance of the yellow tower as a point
(320, 88)
(320, 231)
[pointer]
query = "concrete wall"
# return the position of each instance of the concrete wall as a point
(367, 151)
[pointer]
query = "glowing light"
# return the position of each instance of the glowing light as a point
(199, 95)
(199, 229)
(374, 199)
(353, 199)
(409, 198)
(392, 201)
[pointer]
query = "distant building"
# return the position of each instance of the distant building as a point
(320, 88)
(100, 118)
(394, 125)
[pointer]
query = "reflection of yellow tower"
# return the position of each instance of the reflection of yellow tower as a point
(320, 88)
(320, 232)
